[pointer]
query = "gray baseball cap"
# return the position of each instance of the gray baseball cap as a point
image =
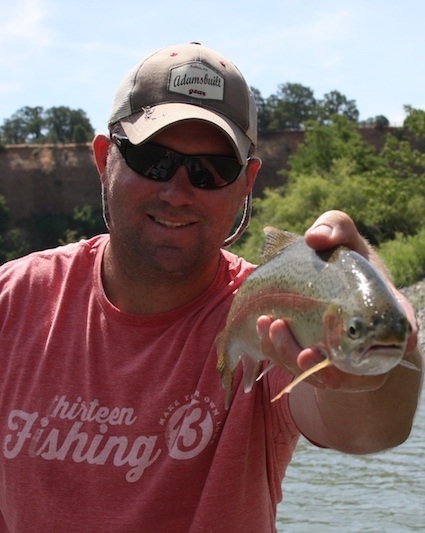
(186, 82)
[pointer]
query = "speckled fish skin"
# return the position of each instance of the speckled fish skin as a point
(334, 300)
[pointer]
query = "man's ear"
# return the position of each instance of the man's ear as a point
(100, 151)
(254, 165)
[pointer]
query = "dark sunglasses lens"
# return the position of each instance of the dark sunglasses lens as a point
(151, 161)
(212, 172)
(227, 169)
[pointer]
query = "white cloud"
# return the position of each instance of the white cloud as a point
(25, 41)
(22, 19)
(23, 33)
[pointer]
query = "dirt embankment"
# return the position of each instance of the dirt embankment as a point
(55, 178)
(48, 178)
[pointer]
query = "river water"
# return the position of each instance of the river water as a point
(326, 491)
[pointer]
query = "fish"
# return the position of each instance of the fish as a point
(333, 300)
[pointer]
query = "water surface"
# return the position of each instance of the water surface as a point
(326, 491)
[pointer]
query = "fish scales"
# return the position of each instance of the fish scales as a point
(333, 300)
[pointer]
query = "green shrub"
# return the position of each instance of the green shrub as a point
(405, 258)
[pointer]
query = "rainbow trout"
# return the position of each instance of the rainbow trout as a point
(334, 300)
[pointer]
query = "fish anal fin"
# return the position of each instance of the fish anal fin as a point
(251, 368)
(265, 371)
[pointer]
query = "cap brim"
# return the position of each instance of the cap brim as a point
(140, 127)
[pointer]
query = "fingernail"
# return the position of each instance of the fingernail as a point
(278, 334)
(262, 330)
(323, 230)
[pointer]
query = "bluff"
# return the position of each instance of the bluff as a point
(55, 178)
(47, 178)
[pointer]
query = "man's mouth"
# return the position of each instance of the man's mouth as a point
(169, 224)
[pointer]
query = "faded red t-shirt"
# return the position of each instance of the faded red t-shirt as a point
(112, 422)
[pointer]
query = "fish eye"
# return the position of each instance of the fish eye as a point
(355, 328)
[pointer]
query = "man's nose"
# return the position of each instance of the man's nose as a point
(178, 190)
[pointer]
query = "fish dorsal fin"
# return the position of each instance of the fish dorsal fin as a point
(277, 240)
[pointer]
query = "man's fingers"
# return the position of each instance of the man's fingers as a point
(335, 228)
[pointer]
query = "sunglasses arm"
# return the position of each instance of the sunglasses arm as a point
(246, 218)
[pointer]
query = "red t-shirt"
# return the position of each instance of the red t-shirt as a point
(112, 422)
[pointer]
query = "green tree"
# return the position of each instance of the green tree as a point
(12, 131)
(85, 223)
(57, 124)
(414, 122)
(63, 122)
(400, 177)
(35, 125)
(405, 257)
(326, 143)
(335, 169)
(24, 126)
(293, 106)
(4, 214)
(335, 103)
(379, 122)
(264, 111)
(12, 241)
(80, 135)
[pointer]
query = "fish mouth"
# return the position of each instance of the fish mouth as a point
(372, 361)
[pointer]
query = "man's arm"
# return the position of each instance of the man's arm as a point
(353, 414)
(360, 422)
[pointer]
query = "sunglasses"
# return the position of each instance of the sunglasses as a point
(158, 163)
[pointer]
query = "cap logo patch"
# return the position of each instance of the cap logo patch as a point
(196, 80)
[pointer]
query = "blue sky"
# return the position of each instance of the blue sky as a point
(75, 53)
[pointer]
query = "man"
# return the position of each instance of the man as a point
(112, 414)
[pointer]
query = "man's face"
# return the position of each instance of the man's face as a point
(172, 227)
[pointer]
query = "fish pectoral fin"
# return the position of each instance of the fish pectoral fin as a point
(251, 368)
(302, 377)
(265, 371)
(409, 365)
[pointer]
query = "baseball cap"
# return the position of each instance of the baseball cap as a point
(186, 82)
